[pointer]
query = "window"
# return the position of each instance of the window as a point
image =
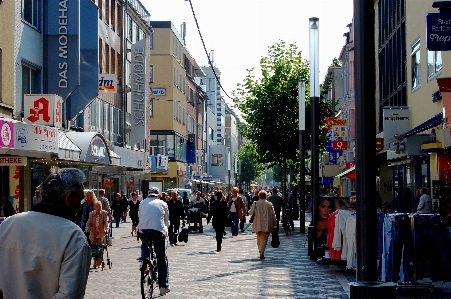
(30, 12)
(416, 65)
(151, 73)
(216, 160)
(211, 133)
(434, 62)
(29, 80)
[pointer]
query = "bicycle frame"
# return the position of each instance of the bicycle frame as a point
(149, 271)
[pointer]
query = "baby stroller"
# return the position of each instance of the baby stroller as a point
(98, 250)
(286, 223)
(195, 218)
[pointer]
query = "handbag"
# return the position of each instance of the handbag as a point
(229, 221)
(275, 241)
(183, 235)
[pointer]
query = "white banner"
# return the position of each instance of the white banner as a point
(35, 138)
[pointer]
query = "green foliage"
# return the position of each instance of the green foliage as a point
(270, 106)
(251, 170)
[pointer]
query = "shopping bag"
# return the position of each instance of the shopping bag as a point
(183, 236)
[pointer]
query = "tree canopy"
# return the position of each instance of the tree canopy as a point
(269, 106)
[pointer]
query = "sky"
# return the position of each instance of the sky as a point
(240, 31)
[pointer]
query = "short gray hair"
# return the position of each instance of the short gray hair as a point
(59, 183)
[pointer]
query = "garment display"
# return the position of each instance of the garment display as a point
(341, 237)
(414, 247)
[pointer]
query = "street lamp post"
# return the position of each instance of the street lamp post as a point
(301, 189)
(314, 100)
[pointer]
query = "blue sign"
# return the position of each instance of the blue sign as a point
(438, 31)
(332, 158)
(71, 53)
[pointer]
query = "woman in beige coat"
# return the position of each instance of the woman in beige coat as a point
(264, 221)
(97, 226)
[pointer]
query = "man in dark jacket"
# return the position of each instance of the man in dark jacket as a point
(277, 202)
(219, 211)
(176, 213)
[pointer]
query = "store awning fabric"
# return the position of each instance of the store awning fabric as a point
(430, 123)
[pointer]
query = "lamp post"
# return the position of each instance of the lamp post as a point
(301, 189)
(314, 100)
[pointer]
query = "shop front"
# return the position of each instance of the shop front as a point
(20, 145)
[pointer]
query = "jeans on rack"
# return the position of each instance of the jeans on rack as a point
(402, 248)
(430, 241)
(386, 272)
(380, 241)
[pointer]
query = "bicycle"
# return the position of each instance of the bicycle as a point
(149, 271)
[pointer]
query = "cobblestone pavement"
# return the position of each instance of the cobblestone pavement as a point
(196, 270)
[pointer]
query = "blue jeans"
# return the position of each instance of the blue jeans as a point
(159, 247)
(234, 228)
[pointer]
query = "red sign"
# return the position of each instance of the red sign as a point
(350, 164)
(43, 109)
(339, 145)
(379, 144)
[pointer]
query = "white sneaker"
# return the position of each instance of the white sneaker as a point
(164, 291)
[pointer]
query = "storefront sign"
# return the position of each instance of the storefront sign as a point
(138, 93)
(438, 31)
(340, 128)
(71, 47)
(379, 144)
(13, 161)
(339, 145)
(36, 138)
(396, 121)
(107, 83)
(43, 109)
(158, 91)
(6, 134)
(97, 151)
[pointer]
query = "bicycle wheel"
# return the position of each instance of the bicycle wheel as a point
(147, 282)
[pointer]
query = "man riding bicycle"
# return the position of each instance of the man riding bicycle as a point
(153, 224)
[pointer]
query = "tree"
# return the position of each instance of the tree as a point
(251, 169)
(269, 106)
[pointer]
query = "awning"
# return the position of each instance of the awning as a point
(430, 123)
(347, 171)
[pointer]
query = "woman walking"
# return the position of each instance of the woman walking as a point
(133, 205)
(97, 228)
(264, 221)
(219, 211)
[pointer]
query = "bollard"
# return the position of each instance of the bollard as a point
(310, 238)
(372, 290)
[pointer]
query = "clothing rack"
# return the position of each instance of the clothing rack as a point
(414, 283)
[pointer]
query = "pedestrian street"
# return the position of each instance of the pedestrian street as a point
(196, 270)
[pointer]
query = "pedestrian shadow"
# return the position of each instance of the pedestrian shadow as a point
(207, 252)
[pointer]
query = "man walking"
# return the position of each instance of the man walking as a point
(176, 213)
(105, 204)
(43, 253)
(277, 202)
(237, 210)
(153, 224)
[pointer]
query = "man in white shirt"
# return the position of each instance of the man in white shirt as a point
(153, 224)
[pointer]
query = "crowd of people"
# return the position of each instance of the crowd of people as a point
(75, 218)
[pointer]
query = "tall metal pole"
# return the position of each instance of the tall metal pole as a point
(314, 100)
(366, 221)
(301, 189)
(366, 285)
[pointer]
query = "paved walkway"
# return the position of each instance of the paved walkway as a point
(198, 271)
